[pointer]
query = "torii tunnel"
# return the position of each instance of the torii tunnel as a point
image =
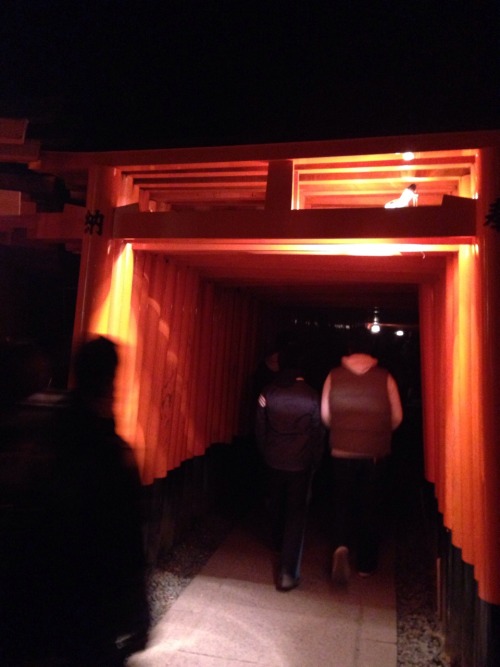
(205, 254)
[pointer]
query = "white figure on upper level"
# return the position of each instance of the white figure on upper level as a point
(409, 197)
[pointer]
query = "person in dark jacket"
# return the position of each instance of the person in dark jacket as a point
(361, 407)
(290, 437)
(99, 575)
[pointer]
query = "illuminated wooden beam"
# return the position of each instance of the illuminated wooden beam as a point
(29, 151)
(62, 227)
(456, 218)
(13, 130)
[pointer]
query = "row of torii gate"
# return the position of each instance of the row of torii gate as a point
(189, 342)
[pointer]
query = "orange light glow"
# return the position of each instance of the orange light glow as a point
(366, 248)
(115, 321)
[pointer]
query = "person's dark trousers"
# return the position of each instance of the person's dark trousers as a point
(358, 488)
(288, 497)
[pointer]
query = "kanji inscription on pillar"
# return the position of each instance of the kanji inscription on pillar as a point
(493, 216)
(94, 221)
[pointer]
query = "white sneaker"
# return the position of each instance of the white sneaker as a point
(341, 570)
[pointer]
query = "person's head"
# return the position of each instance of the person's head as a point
(291, 357)
(95, 367)
(361, 341)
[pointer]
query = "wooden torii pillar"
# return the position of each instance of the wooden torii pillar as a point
(489, 249)
(97, 253)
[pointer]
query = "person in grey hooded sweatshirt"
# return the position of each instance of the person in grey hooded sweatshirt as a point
(361, 407)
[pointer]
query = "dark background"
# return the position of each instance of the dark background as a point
(115, 74)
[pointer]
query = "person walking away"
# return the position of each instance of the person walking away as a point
(290, 438)
(99, 560)
(361, 407)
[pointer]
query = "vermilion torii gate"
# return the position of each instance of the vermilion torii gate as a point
(193, 240)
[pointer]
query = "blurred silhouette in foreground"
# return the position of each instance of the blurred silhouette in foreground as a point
(86, 600)
(102, 568)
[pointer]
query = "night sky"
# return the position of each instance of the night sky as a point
(116, 75)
